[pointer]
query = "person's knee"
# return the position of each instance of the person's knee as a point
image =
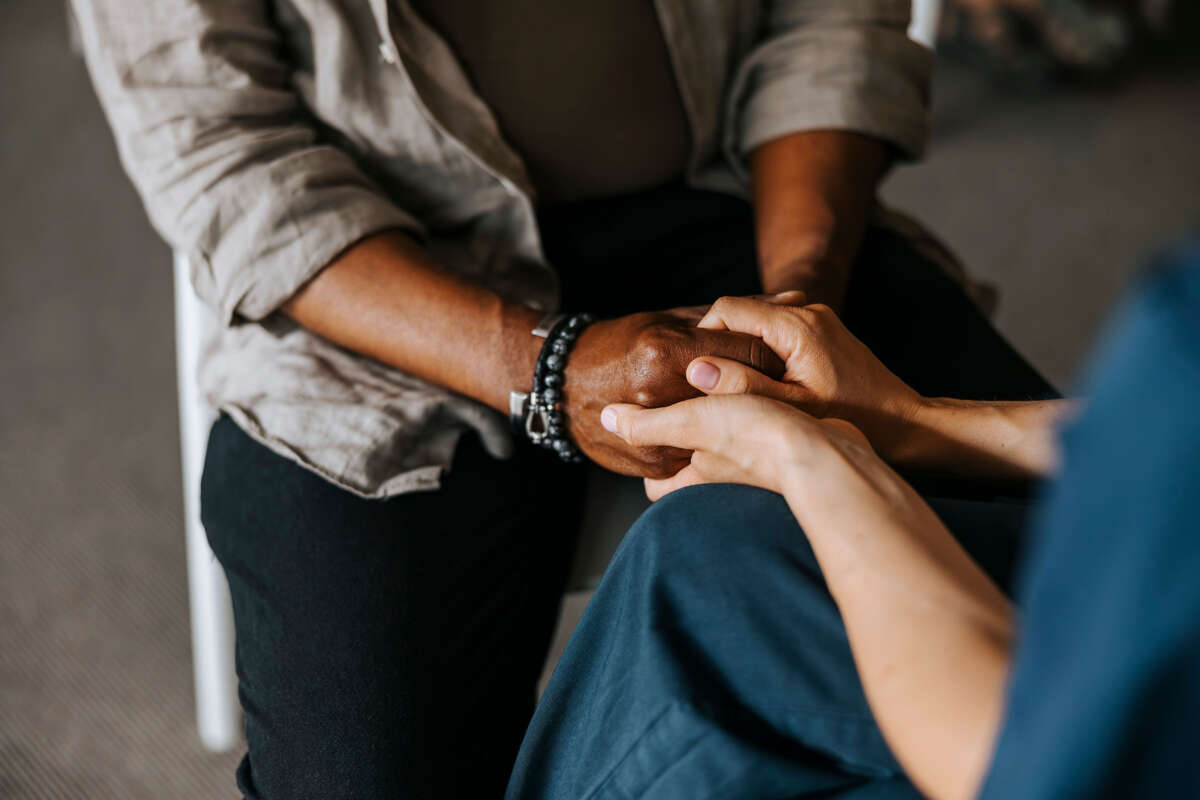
(337, 761)
(713, 535)
(718, 594)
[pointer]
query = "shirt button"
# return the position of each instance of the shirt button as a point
(387, 53)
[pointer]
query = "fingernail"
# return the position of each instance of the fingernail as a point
(608, 418)
(704, 375)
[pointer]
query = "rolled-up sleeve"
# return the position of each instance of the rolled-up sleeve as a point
(831, 65)
(227, 160)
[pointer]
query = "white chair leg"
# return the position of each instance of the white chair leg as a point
(923, 27)
(217, 711)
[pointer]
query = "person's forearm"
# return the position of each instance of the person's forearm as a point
(931, 635)
(813, 192)
(386, 298)
(997, 439)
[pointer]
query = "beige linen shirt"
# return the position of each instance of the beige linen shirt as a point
(266, 137)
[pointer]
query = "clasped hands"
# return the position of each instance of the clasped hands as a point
(748, 391)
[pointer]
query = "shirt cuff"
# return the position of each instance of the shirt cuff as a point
(870, 81)
(276, 240)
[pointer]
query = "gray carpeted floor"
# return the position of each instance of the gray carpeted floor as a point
(1052, 197)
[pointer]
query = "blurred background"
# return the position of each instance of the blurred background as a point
(1066, 148)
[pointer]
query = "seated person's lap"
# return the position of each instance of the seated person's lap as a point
(379, 642)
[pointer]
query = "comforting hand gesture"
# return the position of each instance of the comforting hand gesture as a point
(827, 371)
(642, 358)
(735, 439)
(758, 432)
(828, 374)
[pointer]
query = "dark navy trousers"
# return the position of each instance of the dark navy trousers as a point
(712, 661)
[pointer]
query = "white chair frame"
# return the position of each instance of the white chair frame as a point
(923, 26)
(612, 503)
(217, 711)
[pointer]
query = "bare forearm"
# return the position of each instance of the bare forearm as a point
(1006, 440)
(929, 631)
(813, 192)
(387, 299)
(935, 682)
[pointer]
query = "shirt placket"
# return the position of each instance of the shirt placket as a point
(512, 178)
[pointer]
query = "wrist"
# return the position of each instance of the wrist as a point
(540, 414)
(814, 474)
(894, 426)
(521, 349)
(914, 431)
(786, 250)
(823, 279)
(801, 453)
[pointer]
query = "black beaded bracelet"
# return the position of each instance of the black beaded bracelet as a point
(545, 424)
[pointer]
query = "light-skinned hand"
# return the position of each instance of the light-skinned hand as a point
(828, 372)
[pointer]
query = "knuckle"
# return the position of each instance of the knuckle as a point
(654, 345)
(820, 311)
(764, 359)
(655, 358)
(796, 315)
(758, 355)
(811, 320)
(723, 303)
(704, 462)
(807, 314)
(630, 430)
(735, 381)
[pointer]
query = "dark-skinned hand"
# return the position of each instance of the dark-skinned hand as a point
(641, 358)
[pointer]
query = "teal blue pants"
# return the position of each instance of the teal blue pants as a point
(712, 663)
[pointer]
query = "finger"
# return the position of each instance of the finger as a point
(748, 349)
(714, 375)
(657, 489)
(742, 315)
(705, 467)
(715, 468)
(685, 425)
(693, 314)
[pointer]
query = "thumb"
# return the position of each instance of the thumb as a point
(618, 418)
(714, 375)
